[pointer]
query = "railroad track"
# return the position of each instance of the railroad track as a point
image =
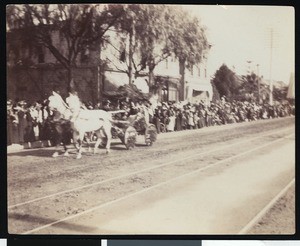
(135, 161)
(260, 141)
(266, 209)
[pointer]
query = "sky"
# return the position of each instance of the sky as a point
(243, 33)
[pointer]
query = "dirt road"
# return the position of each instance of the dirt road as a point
(206, 181)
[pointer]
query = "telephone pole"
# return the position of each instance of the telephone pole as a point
(271, 60)
(258, 83)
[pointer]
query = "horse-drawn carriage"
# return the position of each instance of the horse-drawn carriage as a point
(128, 130)
(103, 124)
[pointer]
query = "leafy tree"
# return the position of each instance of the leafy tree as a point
(216, 95)
(145, 28)
(226, 82)
(188, 40)
(249, 87)
(153, 34)
(78, 25)
(156, 32)
(280, 94)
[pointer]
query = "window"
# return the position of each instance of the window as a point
(199, 72)
(164, 95)
(205, 74)
(173, 94)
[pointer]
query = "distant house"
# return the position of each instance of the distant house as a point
(168, 84)
(197, 84)
(32, 71)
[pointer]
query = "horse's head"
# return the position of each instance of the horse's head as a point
(52, 103)
(56, 103)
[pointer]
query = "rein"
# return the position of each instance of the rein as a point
(62, 112)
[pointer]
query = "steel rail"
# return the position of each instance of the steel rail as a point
(158, 185)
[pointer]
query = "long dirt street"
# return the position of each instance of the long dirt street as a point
(208, 181)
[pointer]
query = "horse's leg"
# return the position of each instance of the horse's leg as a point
(99, 139)
(55, 154)
(58, 138)
(80, 140)
(65, 139)
(88, 140)
(75, 139)
(66, 151)
(107, 131)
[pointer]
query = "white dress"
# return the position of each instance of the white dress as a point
(171, 125)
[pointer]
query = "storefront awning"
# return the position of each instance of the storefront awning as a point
(113, 80)
(207, 87)
(174, 81)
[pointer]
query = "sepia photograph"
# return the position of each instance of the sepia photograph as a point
(150, 119)
(151, 242)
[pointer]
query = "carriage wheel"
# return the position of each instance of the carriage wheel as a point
(130, 137)
(150, 134)
(130, 146)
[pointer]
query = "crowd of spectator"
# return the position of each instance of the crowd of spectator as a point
(26, 122)
(177, 116)
(30, 122)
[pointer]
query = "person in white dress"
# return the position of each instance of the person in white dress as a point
(172, 119)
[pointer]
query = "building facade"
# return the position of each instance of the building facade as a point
(32, 72)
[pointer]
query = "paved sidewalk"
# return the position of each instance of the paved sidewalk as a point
(28, 145)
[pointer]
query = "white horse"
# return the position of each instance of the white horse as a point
(98, 121)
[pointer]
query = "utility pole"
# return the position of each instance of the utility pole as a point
(258, 83)
(131, 40)
(249, 69)
(271, 60)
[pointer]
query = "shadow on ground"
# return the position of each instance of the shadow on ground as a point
(47, 152)
(27, 219)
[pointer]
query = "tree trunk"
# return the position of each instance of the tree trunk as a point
(182, 82)
(99, 84)
(151, 81)
(70, 79)
(130, 70)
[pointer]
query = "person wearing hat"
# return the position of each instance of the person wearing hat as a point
(22, 119)
(33, 114)
(156, 119)
(9, 120)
